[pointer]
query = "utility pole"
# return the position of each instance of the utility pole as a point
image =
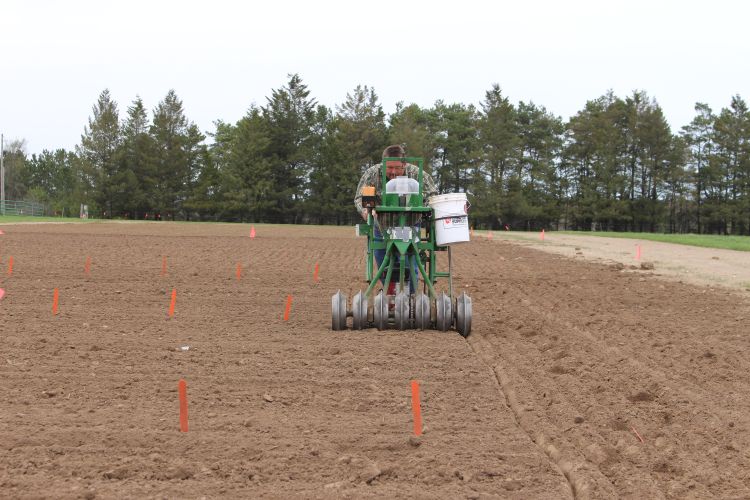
(2, 175)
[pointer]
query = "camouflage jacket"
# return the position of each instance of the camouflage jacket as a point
(373, 177)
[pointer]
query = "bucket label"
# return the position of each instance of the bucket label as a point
(455, 221)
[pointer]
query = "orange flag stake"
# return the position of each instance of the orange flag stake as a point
(171, 302)
(10, 265)
(489, 235)
(638, 252)
(542, 235)
(55, 297)
(2, 293)
(239, 271)
(252, 231)
(315, 274)
(87, 266)
(182, 386)
(415, 408)
(288, 307)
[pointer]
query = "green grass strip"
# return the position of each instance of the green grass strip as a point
(741, 243)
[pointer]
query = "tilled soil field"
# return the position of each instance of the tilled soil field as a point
(579, 379)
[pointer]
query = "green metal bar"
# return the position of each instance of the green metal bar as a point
(428, 282)
(390, 270)
(374, 282)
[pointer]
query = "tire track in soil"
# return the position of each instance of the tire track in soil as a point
(579, 489)
(536, 301)
(668, 391)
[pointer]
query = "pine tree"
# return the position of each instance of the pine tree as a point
(136, 179)
(698, 139)
(99, 148)
(289, 120)
(172, 169)
(499, 142)
(345, 146)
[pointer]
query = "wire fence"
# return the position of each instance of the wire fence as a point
(32, 208)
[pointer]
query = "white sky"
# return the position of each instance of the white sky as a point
(222, 56)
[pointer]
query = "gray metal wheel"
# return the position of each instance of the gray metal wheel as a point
(422, 311)
(463, 314)
(444, 312)
(380, 311)
(359, 311)
(401, 311)
(338, 311)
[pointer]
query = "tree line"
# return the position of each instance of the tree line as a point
(614, 165)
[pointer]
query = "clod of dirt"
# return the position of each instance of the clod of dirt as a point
(119, 473)
(512, 485)
(370, 472)
(579, 419)
(715, 258)
(415, 441)
(595, 454)
(268, 398)
(178, 473)
(648, 266)
(559, 370)
(463, 476)
(641, 396)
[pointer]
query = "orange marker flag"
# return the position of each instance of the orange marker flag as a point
(239, 271)
(1, 232)
(10, 265)
(87, 266)
(164, 265)
(55, 297)
(288, 307)
(489, 235)
(182, 386)
(415, 408)
(171, 302)
(542, 235)
(638, 252)
(315, 274)
(2, 293)
(252, 231)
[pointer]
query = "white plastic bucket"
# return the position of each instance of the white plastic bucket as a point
(451, 218)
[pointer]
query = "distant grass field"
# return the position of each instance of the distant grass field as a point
(741, 243)
(8, 219)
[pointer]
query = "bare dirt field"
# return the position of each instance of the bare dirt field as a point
(580, 379)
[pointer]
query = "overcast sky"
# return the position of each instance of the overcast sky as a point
(222, 56)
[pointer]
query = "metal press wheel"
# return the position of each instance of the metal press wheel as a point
(380, 311)
(422, 311)
(463, 314)
(359, 311)
(401, 311)
(338, 311)
(444, 312)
